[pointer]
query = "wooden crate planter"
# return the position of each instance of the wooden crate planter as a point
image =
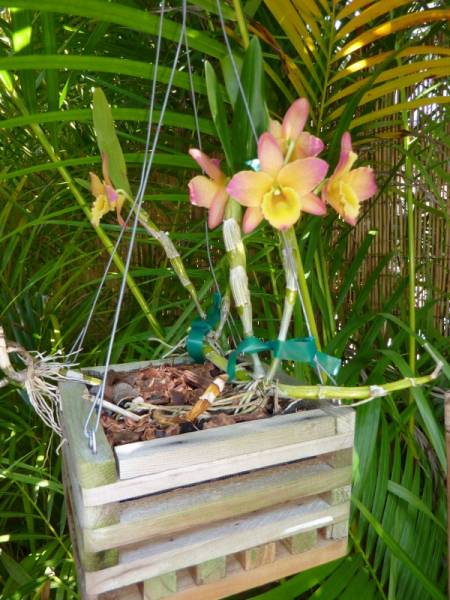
(207, 514)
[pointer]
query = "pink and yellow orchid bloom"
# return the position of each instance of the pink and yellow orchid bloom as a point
(106, 197)
(347, 187)
(209, 192)
(291, 131)
(278, 192)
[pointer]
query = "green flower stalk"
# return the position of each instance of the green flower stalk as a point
(288, 309)
(237, 261)
(172, 254)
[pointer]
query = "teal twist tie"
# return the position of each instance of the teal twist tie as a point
(200, 329)
(302, 350)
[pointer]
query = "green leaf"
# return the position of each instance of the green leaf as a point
(252, 80)
(353, 269)
(126, 16)
(96, 64)
(14, 569)
(108, 141)
(405, 494)
(218, 112)
(399, 553)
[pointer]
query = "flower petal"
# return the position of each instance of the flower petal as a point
(97, 187)
(252, 218)
(308, 145)
(275, 129)
(248, 187)
(347, 156)
(303, 175)
(215, 215)
(105, 169)
(312, 204)
(111, 194)
(342, 198)
(100, 207)
(281, 208)
(202, 191)
(295, 119)
(362, 181)
(269, 154)
(209, 166)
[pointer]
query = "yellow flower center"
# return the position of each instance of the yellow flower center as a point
(281, 207)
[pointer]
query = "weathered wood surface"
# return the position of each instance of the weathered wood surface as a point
(210, 570)
(160, 587)
(179, 510)
(238, 580)
(178, 477)
(301, 542)
(228, 537)
(341, 458)
(196, 448)
(257, 556)
(345, 417)
(91, 469)
(130, 592)
(90, 559)
(142, 364)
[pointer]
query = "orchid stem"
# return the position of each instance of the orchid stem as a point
(238, 274)
(107, 243)
(240, 17)
(171, 253)
(288, 309)
(291, 240)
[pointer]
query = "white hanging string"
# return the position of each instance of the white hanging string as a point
(90, 431)
(230, 319)
(78, 344)
(236, 71)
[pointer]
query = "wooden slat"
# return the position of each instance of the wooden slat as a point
(202, 504)
(130, 592)
(230, 536)
(177, 477)
(88, 517)
(210, 570)
(345, 417)
(301, 542)
(341, 458)
(91, 469)
(337, 530)
(200, 447)
(338, 495)
(257, 556)
(160, 587)
(238, 580)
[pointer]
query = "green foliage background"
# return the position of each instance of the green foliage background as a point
(51, 56)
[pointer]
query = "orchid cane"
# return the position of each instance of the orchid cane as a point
(211, 193)
(107, 198)
(280, 191)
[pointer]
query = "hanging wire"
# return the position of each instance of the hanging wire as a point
(236, 71)
(230, 319)
(90, 432)
(78, 344)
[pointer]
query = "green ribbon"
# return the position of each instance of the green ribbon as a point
(200, 329)
(298, 349)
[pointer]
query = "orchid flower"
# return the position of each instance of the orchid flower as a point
(278, 192)
(291, 131)
(106, 197)
(347, 187)
(209, 192)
